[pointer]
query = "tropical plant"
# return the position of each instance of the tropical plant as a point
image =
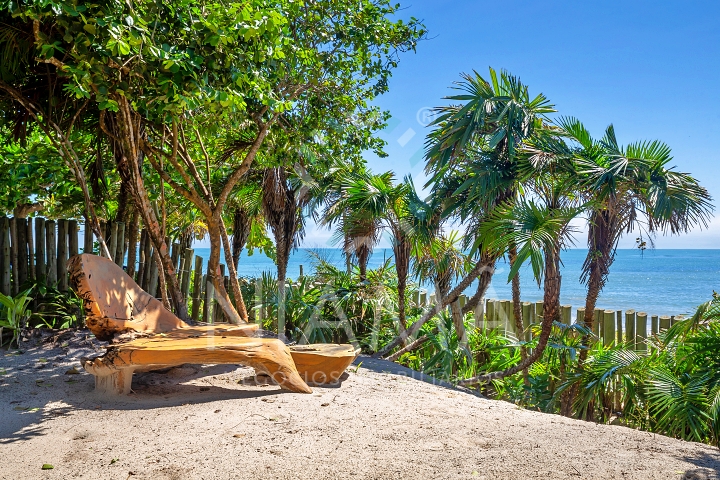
(16, 314)
(626, 188)
(474, 154)
(56, 309)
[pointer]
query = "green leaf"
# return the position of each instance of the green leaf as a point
(47, 466)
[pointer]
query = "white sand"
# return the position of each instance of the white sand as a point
(199, 422)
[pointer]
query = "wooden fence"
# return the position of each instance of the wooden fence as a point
(628, 327)
(37, 251)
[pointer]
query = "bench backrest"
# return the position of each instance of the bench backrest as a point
(114, 302)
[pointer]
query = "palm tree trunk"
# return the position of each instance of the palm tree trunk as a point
(363, 256)
(517, 309)
(401, 249)
(551, 313)
(282, 275)
(444, 302)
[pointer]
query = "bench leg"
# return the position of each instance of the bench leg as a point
(117, 383)
(109, 379)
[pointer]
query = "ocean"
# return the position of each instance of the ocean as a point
(659, 282)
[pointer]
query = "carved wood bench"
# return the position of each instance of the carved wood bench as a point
(115, 305)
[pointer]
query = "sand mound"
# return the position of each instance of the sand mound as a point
(215, 422)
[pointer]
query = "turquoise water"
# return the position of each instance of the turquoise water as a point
(660, 282)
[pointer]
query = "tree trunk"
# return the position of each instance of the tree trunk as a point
(232, 272)
(402, 250)
(551, 313)
(517, 309)
(126, 134)
(215, 274)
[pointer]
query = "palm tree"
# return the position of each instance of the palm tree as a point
(626, 188)
(362, 201)
(247, 214)
(442, 260)
(475, 150)
(368, 204)
(540, 228)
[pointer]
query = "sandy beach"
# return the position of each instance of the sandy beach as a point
(216, 422)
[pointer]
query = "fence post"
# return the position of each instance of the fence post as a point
(153, 276)
(132, 245)
(30, 249)
(40, 271)
(608, 327)
(619, 327)
(175, 255)
(664, 322)
(528, 313)
(566, 314)
(259, 307)
(598, 323)
(489, 313)
(22, 252)
(197, 287)
(539, 311)
(141, 263)
(641, 331)
(5, 256)
(217, 311)
(13, 256)
(654, 325)
(676, 318)
(580, 316)
(112, 247)
(209, 297)
(630, 331)
(62, 255)
(73, 237)
(423, 299)
(226, 284)
(506, 312)
(479, 314)
(149, 260)
(189, 254)
(51, 252)
(88, 239)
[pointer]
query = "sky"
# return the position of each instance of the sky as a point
(652, 69)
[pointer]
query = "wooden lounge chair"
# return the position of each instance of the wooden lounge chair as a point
(116, 305)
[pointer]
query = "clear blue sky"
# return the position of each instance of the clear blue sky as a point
(650, 68)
